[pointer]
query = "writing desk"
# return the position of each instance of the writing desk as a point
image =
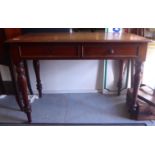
(80, 46)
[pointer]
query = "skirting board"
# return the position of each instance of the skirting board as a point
(123, 92)
(67, 91)
(9, 90)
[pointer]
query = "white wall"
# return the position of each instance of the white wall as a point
(149, 74)
(5, 73)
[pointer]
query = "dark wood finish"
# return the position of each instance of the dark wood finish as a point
(42, 30)
(137, 80)
(28, 77)
(36, 66)
(78, 46)
(109, 50)
(5, 60)
(140, 32)
(2, 87)
(15, 86)
(11, 33)
(55, 51)
(78, 37)
(3, 56)
(146, 105)
(23, 85)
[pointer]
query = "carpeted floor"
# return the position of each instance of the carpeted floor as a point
(75, 109)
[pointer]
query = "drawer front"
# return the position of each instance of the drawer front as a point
(56, 51)
(111, 51)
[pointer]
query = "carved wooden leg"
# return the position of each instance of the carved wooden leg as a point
(28, 77)
(2, 88)
(121, 75)
(137, 80)
(23, 84)
(36, 66)
(15, 86)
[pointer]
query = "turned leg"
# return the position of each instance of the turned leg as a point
(15, 86)
(23, 85)
(28, 77)
(121, 75)
(137, 80)
(2, 88)
(36, 66)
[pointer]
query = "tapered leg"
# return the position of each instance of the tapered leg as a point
(36, 66)
(137, 80)
(2, 88)
(24, 89)
(121, 75)
(28, 77)
(15, 86)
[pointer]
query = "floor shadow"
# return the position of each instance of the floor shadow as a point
(10, 119)
(8, 107)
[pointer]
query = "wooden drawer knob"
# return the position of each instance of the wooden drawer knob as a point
(111, 51)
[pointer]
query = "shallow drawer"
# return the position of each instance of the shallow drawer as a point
(100, 51)
(38, 51)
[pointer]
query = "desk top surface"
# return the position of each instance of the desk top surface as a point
(81, 37)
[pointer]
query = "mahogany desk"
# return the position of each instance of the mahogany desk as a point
(76, 45)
